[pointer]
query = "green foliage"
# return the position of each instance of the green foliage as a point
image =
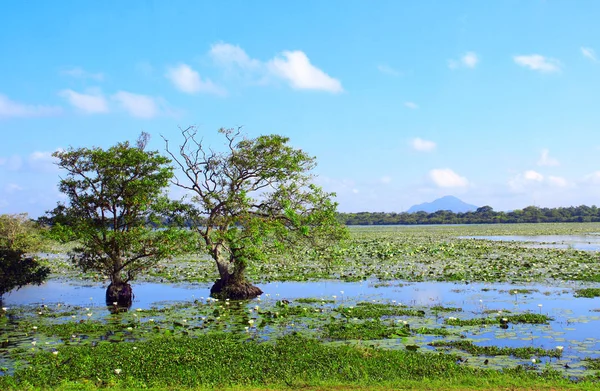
(483, 215)
(522, 352)
(368, 330)
(17, 270)
(527, 318)
(59, 226)
(256, 200)
(19, 233)
(366, 310)
(588, 292)
(113, 195)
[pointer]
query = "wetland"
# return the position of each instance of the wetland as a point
(455, 296)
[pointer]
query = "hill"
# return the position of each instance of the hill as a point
(445, 203)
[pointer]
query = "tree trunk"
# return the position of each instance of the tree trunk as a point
(119, 292)
(233, 286)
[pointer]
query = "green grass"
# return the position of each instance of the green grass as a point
(221, 360)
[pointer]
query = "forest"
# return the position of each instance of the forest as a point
(483, 215)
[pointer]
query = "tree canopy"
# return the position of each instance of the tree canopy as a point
(19, 235)
(112, 195)
(252, 200)
(483, 215)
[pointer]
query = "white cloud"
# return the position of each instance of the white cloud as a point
(557, 181)
(80, 73)
(411, 105)
(421, 145)
(12, 188)
(12, 109)
(589, 53)
(385, 179)
(530, 180)
(388, 70)
(12, 163)
(42, 161)
(538, 62)
(90, 103)
(531, 175)
(137, 105)
(295, 67)
(187, 80)
(229, 55)
(593, 178)
(468, 60)
(445, 177)
(546, 160)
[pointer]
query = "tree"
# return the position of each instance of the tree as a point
(18, 270)
(255, 200)
(18, 235)
(113, 195)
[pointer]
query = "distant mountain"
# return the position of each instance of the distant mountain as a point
(445, 203)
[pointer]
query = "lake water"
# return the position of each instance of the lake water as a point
(575, 323)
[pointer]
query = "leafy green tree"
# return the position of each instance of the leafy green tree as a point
(113, 195)
(255, 199)
(18, 270)
(18, 234)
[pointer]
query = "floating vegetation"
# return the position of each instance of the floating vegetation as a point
(588, 292)
(528, 318)
(592, 363)
(440, 308)
(366, 310)
(521, 352)
(371, 329)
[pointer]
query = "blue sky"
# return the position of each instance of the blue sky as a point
(401, 102)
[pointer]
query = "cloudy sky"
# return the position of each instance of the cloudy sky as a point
(496, 102)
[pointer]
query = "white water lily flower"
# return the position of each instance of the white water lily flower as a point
(115, 303)
(118, 371)
(33, 342)
(129, 328)
(533, 360)
(55, 352)
(560, 348)
(34, 327)
(251, 321)
(4, 309)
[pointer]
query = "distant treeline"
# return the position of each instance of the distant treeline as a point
(483, 215)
